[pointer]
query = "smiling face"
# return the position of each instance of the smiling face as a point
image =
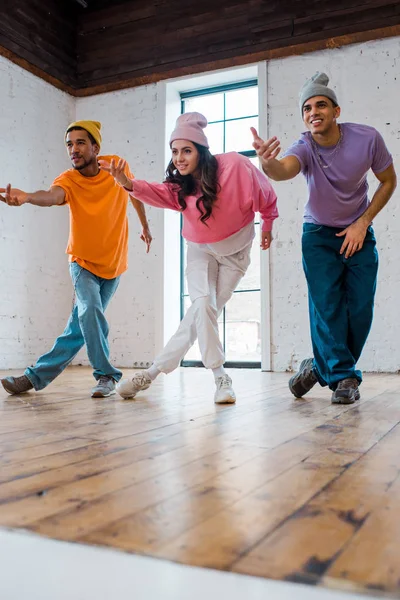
(320, 114)
(185, 157)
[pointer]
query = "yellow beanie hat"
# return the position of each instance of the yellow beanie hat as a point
(92, 127)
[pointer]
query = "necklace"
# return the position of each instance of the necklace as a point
(331, 154)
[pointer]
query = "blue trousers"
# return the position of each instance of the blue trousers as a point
(341, 299)
(87, 325)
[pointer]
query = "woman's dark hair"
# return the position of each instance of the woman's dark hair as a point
(187, 184)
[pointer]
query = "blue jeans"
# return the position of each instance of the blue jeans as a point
(87, 325)
(341, 300)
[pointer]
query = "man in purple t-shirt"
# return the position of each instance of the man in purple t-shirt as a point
(340, 259)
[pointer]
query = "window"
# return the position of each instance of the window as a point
(231, 110)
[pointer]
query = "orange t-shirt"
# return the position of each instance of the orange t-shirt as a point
(98, 235)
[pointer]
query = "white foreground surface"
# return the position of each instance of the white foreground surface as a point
(42, 569)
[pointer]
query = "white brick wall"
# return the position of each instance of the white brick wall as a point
(35, 292)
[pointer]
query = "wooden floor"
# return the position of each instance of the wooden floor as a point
(300, 490)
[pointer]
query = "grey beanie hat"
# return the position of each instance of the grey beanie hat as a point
(316, 86)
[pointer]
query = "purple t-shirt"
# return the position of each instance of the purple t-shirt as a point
(338, 194)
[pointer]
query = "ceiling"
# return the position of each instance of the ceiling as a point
(111, 44)
(97, 4)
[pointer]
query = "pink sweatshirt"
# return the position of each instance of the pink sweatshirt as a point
(244, 190)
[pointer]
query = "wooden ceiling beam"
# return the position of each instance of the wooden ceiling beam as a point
(137, 42)
(298, 49)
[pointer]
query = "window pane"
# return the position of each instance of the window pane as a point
(238, 134)
(212, 106)
(215, 136)
(243, 327)
(255, 160)
(251, 280)
(183, 267)
(241, 103)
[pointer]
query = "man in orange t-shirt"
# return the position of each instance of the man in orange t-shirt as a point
(98, 255)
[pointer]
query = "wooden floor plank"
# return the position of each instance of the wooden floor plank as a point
(304, 547)
(372, 556)
(157, 525)
(273, 486)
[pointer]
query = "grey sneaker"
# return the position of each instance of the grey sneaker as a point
(105, 387)
(224, 393)
(16, 385)
(346, 392)
(304, 380)
(128, 388)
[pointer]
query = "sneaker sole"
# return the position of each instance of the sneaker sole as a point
(221, 402)
(130, 395)
(102, 395)
(226, 401)
(126, 397)
(356, 397)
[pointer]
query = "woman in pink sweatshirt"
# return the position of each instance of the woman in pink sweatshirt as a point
(218, 197)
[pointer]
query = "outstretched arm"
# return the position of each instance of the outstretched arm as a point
(278, 170)
(15, 197)
(160, 195)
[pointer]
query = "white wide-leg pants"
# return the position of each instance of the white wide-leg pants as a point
(211, 280)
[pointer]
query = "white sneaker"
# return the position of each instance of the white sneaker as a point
(128, 388)
(224, 393)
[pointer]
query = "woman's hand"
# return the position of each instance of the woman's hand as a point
(117, 171)
(266, 240)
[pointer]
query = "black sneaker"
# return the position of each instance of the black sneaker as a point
(346, 392)
(304, 380)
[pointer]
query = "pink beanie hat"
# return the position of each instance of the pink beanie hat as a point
(189, 126)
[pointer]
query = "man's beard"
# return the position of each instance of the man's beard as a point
(85, 164)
